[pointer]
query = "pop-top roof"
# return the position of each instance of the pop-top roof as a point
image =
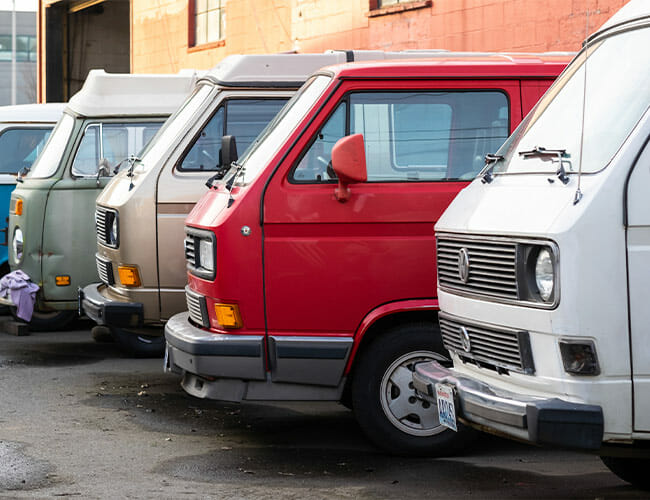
(32, 113)
(123, 94)
(291, 70)
(633, 10)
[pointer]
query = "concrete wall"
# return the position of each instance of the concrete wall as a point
(25, 71)
(160, 29)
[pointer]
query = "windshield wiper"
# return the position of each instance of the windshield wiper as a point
(229, 185)
(132, 160)
(490, 161)
(219, 174)
(559, 154)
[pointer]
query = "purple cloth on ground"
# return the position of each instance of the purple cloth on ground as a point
(23, 292)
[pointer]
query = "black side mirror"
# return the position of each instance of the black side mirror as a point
(228, 152)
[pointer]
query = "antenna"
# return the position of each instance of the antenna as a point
(578, 195)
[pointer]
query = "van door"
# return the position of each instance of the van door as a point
(19, 147)
(327, 264)
(69, 237)
(638, 275)
(182, 183)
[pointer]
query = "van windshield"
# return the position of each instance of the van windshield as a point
(49, 160)
(617, 96)
(280, 128)
(175, 127)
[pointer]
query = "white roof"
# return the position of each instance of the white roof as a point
(273, 70)
(634, 9)
(32, 113)
(124, 94)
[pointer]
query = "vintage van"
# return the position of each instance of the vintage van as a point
(310, 269)
(24, 130)
(51, 223)
(142, 265)
(544, 266)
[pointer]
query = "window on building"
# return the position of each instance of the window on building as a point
(25, 48)
(385, 3)
(206, 20)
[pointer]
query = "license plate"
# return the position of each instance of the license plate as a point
(446, 407)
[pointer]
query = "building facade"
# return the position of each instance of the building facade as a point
(169, 35)
(25, 57)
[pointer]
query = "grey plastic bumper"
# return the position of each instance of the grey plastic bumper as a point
(207, 354)
(537, 420)
(104, 311)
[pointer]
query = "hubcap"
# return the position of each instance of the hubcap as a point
(399, 402)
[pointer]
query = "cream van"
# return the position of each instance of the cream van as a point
(544, 267)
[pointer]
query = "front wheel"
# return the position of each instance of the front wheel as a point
(632, 470)
(384, 400)
(139, 345)
(46, 321)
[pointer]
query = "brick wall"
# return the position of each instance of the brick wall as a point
(160, 27)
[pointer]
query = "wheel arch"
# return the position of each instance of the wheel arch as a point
(382, 319)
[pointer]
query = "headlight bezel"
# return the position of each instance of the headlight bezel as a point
(18, 253)
(527, 273)
(194, 239)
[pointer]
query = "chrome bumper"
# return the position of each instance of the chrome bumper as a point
(105, 311)
(548, 421)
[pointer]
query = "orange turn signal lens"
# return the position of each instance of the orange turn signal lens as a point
(129, 275)
(63, 280)
(19, 207)
(228, 315)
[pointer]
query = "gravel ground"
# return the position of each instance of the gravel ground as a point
(80, 419)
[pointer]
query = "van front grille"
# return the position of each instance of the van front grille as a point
(495, 347)
(197, 307)
(489, 266)
(105, 270)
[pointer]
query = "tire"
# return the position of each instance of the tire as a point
(139, 345)
(632, 470)
(47, 321)
(384, 401)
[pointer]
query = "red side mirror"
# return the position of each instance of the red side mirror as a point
(349, 163)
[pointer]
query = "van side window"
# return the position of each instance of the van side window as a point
(314, 164)
(19, 147)
(418, 136)
(243, 118)
(111, 144)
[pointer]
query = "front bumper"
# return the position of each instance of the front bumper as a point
(213, 355)
(546, 421)
(105, 311)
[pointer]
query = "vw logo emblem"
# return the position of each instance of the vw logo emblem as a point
(464, 339)
(463, 265)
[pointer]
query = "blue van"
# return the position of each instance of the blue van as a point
(24, 130)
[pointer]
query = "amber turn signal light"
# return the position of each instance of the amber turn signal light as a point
(19, 207)
(63, 280)
(228, 315)
(129, 275)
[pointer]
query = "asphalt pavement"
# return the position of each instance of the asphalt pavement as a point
(80, 419)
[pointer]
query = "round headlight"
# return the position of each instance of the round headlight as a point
(17, 245)
(113, 232)
(544, 277)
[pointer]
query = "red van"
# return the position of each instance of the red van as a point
(311, 266)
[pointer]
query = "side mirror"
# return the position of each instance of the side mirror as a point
(349, 163)
(228, 152)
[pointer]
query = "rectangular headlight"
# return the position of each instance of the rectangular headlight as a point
(206, 255)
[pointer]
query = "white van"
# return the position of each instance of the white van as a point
(544, 266)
